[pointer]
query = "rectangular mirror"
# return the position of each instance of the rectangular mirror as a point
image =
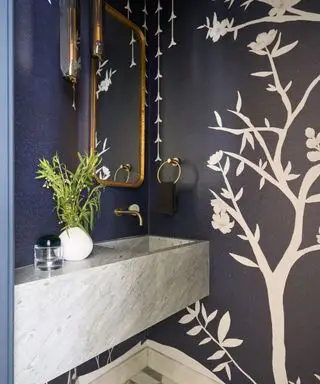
(118, 102)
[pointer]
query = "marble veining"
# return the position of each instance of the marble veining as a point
(126, 286)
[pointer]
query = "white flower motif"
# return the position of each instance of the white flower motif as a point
(318, 236)
(222, 222)
(218, 28)
(104, 173)
(263, 40)
(218, 206)
(313, 142)
(280, 7)
(214, 160)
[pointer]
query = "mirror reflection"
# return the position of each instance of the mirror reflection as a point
(118, 102)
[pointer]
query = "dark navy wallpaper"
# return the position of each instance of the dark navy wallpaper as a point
(45, 124)
(250, 71)
(234, 92)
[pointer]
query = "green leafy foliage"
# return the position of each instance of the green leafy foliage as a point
(76, 194)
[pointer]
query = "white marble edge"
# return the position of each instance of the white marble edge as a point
(78, 322)
(101, 255)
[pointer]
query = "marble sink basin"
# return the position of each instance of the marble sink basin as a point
(141, 245)
(124, 287)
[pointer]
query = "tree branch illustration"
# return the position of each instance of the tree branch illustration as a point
(221, 341)
(279, 176)
(280, 12)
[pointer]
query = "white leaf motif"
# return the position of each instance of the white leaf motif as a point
(239, 103)
(226, 166)
(204, 313)
(224, 327)
(243, 237)
(261, 74)
(243, 143)
(220, 367)
(195, 330)
(262, 182)
(267, 123)
(250, 139)
(244, 261)
(218, 118)
(288, 86)
(197, 308)
(228, 371)
(257, 233)
(277, 45)
(212, 316)
(240, 168)
(285, 49)
(216, 356)
(205, 341)
(239, 195)
(186, 319)
(232, 343)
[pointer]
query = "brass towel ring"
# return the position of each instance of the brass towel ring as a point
(175, 162)
(125, 167)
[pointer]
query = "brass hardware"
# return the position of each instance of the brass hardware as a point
(97, 33)
(175, 162)
(69, 54)
(131, 212)
(125, 167)
(141, 165)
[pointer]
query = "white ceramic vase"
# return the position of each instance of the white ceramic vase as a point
(76, 244)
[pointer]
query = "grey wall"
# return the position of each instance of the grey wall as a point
(199, 77)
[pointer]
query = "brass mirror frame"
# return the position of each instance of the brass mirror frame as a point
(141, 165)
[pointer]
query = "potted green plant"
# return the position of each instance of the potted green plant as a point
(77, 199)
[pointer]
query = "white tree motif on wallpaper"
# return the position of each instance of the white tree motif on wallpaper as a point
(278, 172)
(281, 11)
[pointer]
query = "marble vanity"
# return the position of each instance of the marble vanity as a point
(123, 288)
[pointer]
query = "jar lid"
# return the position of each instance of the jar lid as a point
(48, 241)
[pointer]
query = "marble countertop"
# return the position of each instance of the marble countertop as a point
(103, 253)
(126, 286)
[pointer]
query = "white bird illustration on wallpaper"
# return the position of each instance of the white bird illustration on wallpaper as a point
(228, 216)
(282, 11)
(158, 78)
(104, 84)
(133, 39)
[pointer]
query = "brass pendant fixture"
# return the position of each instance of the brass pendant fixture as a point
(97, 29)
(69, 50)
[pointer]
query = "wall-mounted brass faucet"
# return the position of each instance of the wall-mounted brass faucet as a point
(133, 210)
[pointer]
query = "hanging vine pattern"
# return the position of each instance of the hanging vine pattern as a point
(158, 78)
(145, 30)
(172, 21)
(133, 39)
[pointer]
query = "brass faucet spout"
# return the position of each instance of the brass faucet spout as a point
(120, 212)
